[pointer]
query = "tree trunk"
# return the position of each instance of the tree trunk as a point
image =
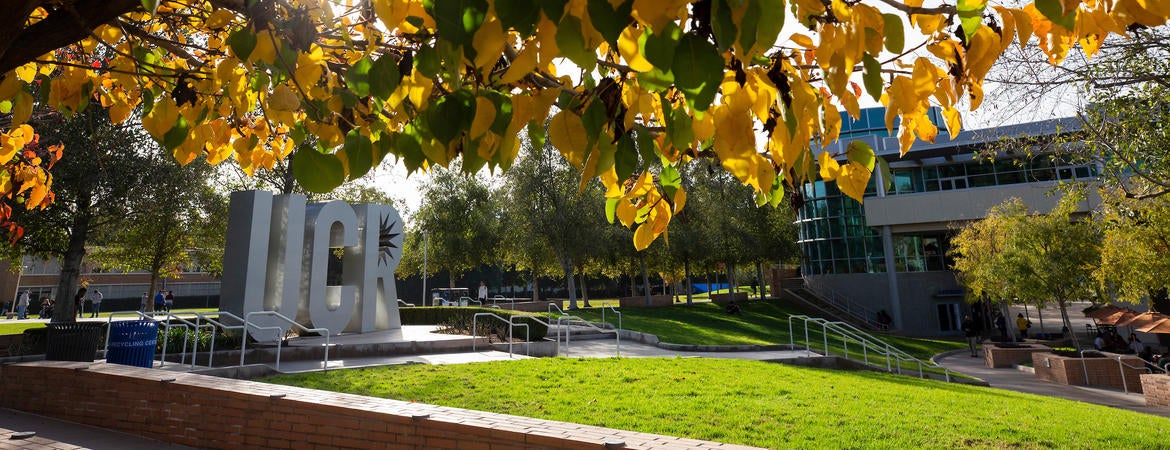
(1068, 325)
(584, 290)
(690, 290)
(569, 281)
(535, 287)
(65, 309)
(451, 281)
(150, 294)
(759, 279)
(646, 281)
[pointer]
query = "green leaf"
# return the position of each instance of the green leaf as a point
(451, 115)
(384, 77)
(427, 61)
(358, 77)
(861, 153)
(553, 9)
(150, 6)
(655, 80)
(611, 208)
(521, 15)
(894, 33)
(971, 15)
(606, 150)
(661, 45)
(503, 112)
(722, 25)
(594, 120)
(681, 128)
(572, 43)
(360, 154)
(406, 145)
(537, 135)
(647, 147)
(242, 42)
(749, 26)
(177, 135)
(1054, 11)
(887, 176)
(609, 21)
(670, 179)
(872, 77)
(458, 20)
(771, 14)
(316, 171)
(698, 70)
(776, 195)
(625, 158)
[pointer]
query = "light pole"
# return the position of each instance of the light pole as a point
(425, 243)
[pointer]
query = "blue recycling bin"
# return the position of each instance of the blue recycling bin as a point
(132, 343)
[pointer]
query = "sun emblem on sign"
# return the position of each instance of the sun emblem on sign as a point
(389, 239)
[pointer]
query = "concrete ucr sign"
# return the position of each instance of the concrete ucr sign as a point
(277, 259)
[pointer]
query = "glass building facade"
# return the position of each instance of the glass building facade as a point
(833, 234)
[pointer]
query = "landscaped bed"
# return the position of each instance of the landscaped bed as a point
(754, 403)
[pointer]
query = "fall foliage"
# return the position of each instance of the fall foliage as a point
(431, 81)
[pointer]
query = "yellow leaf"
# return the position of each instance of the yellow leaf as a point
(954, 121)
(391, 12)
(628, 47)
(680, 200)
(830, 169)
(309, 68)
(626, 212)
(656, 13)
(523, 65)
(283, 99)
(852, 181)
(522, 106)
(36, 196)
(161, 118)
(22, 109)
(219, 19)
(485, 114)
(27, 72)
(566, 132)
(803, 41)
(1023, 22)
(265, 48)
(489, 43)
(643, 236)
(9, 86)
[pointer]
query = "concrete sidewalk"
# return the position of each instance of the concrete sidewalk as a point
(1015, 380)
(49, 433)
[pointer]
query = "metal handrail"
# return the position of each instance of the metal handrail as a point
(469, 300)
(845, 304)
(619, 327)
(511, 327)
(569, 321)
(869, 343)
(280, 342)
(199, 317)
(1121, 365)
(403, 303)
(167, 325)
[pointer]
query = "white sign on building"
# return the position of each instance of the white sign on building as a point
(277, 259)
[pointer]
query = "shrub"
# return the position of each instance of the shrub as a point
(174, 340)
(459, 319)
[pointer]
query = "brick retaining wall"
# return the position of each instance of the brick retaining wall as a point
(1156, 389)
(1101, 371)
(209, 412)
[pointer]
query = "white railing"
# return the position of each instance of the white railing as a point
(845, 304)
(403, 303)
(566, 321)
(216, 322)
(869, 344)
(1121, 365)
(280, 341)
(168, 323)
(511, 327)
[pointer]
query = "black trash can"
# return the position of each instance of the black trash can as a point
(72, 341)
(132, 343)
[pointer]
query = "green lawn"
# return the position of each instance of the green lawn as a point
(762, 322)
(755, 403)
(18, 326)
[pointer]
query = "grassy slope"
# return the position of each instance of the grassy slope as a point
(755, 403)
(761, 323)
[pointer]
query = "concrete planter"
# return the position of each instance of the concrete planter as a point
(1008, 355)
(1101, 371)
(724, 298)
(640, 301)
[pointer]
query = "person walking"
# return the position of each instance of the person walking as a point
(169, 300)
(482, 292)
(22, 306)
(971, 331)
(1023, 325)
(78, 300)
(142, 302)
(96, 302)
(159, 301)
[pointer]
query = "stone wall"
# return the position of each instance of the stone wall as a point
(209, 412)
(997, 357)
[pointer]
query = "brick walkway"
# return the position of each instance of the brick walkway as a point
(53, 434)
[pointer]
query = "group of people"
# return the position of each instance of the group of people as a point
(163, 301)
(1110, 341)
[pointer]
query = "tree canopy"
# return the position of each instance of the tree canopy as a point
(433, 81)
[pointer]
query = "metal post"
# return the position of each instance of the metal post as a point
(426, 240)
(1124, 385)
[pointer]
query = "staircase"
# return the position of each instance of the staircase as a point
(837, 308)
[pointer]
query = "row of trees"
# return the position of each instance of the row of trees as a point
(543, 220)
